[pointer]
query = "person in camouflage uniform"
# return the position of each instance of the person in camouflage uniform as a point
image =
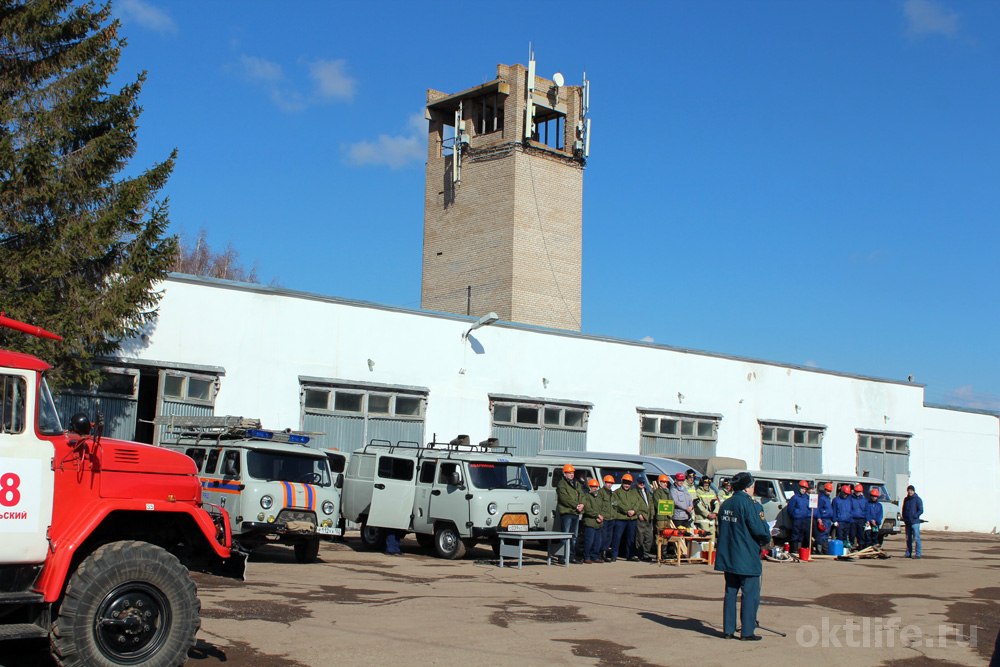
(595, 511)
(645, 543)
(629, 506)
(611, 518)
(569, 505)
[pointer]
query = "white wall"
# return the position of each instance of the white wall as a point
(265, 340)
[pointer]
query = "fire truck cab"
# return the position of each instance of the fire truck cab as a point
(97, 534)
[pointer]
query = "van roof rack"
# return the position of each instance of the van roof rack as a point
(225, 427)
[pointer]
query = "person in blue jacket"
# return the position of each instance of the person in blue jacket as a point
(742, 532)
(858, 503)
(913, 507)
(873, 518)
(843, 515)
(799, 512)
(824, 518)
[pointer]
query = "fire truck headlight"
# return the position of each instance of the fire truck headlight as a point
(536, 509)
(266, 502)
(327, 507)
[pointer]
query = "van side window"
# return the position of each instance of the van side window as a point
(336, 462)
(539, 476)
(427, 472)
(231, 463)
(764, 490)
(389, 467)
(445, 470)
(581, 476)
(213, 460)
(197, 454)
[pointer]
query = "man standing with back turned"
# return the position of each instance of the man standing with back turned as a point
(742, 532)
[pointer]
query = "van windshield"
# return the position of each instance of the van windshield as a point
(490, 475)
(282, 467)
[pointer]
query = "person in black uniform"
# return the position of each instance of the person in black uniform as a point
(742, 532)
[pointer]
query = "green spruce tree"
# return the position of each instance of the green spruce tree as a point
(81, 246)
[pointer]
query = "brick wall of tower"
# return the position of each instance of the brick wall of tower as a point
(513, 228)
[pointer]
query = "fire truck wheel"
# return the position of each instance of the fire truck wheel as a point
(128, 603)
(448, 544)
(306, 552)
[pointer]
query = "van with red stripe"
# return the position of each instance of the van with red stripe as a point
(275, 487)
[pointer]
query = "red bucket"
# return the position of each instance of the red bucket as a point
(804, 553)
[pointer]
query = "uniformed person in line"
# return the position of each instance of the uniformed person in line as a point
(610, 519)
(873, 517)
(742, 532)
(645, 543)
(569, 505)
(664, 504)
(706, 506)
(683, 501)
(725, 490)
(858, 504)
(625, 522)
(691, 482)
(595, 508)
(824, 518)
(843, 516)
(799, 512)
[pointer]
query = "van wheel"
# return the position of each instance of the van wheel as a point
(448, 544)
(372, 538)
(425, 541)
(306, 552)
(128, 603)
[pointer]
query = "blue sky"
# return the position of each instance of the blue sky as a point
(813, 183)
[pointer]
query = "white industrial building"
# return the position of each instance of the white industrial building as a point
(504, 178)
(357, 371)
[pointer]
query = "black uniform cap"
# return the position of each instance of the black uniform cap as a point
(741, 480)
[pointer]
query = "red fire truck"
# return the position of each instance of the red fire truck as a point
(96, 534)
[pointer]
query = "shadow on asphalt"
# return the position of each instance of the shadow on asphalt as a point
(687, 624)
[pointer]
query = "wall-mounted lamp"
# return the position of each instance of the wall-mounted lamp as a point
(371, 364)
(798, 408)
(545, 383)
(885, 419)
(486, 320)
(680, 397)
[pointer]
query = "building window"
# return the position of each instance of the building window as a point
(535, 415)
(380, 403)
(792, 447)
(884, 442)
(686, 436)
(189, 387)
(528, 426)
(486, 113)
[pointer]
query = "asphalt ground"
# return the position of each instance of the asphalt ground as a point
(364, 608)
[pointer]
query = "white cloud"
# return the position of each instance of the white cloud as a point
(967, 397)
(148, 16)
(332, 80)
(417, 123)
(261, 70)
(926, 17)
(811, 364)
(647, 339)
(389, 151)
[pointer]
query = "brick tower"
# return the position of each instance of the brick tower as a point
(503, 200)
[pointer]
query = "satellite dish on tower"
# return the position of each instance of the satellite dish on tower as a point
(558, 79)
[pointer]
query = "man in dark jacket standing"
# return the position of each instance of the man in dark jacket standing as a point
(913, 507)
(569, 506)
(742, 532)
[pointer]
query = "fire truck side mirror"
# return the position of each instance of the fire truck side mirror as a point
(80, 424)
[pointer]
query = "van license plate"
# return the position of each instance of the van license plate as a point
(326, 530)
(517, 528)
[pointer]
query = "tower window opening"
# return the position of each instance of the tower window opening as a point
(487, 113)
(550, 128)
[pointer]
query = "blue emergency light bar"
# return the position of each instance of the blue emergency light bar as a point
(283, 437)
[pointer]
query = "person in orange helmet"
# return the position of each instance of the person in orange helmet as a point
(594, 511)
(858, 513)
(569, 506)
(824, 518)
(843, 515)
(873, 517)
(607, 494)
